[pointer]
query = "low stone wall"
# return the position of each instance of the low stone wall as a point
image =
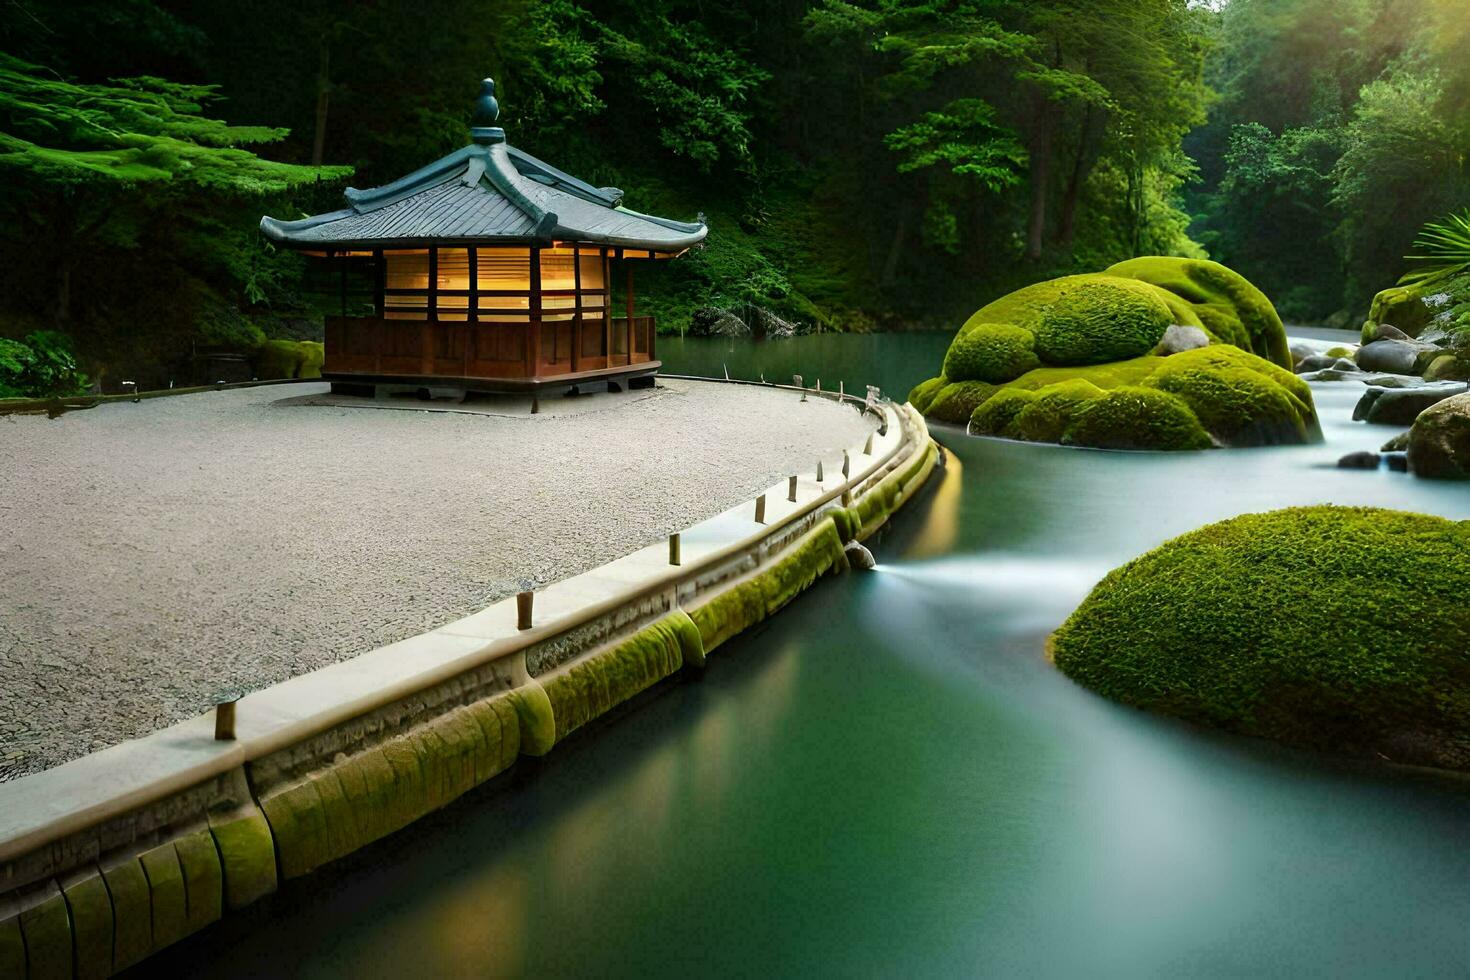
(95, 900)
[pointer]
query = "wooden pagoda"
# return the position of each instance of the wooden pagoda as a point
(492, 271)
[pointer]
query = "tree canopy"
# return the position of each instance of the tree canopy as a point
(864, 163)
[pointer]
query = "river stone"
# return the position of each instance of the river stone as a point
(1387, 331)
(1391, 380)
(1182, 338)
(1439, 442)
(1447, 367)
(1393, 356)
(1398, 462)
(1299, 352)
(1386, 406)
(1397, 444)
(1362, 460)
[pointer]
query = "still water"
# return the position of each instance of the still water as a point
(890, 780)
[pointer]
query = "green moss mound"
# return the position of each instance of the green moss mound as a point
(1101, 319)
(997, 415)
(1227, 304)
(1136, 418)
(1240, 399)
(1070, 341)
(1046, 417)
(288, 359)
(957, 401)
(991, 352)
(1333, 628)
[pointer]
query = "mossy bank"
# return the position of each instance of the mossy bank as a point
(1333, 628)
(1155, 353)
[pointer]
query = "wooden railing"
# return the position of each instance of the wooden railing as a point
(540, 350)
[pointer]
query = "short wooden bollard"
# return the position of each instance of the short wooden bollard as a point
(535, 405)
(819, 471)
(523, 609)
(224, 721)
(846, 464)
(760, 509)
(868, 446)
(841, 390)
(791, 489)
(674, 549)
(819, 386)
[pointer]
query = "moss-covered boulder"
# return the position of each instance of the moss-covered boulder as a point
(1224, 626)
(1226, 303)
(288, 359)
(1028, 365)
(991, 352)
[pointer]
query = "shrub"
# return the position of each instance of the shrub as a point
(1329, 627)
(42, 366)
(1136, 418)
(992, 352)
(288, 359)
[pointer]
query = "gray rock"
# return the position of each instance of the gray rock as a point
(1398, 462)
(1387, 331)
(1439, 442)
(1392, 356)
(1181, 338)
(1386, 406)
(1332, 374)
(1358, 461)
(859, 558)
(1392, 380)
(1300, 352)
(1397, 444)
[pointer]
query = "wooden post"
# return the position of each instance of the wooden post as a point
(760, 509)
(674, 550)
(629, 299)
(533, 342)
(846, 465)
(841, 390)
(791, 489)
(523, 609)
(868, 446)
(819, 471)
(576, 309)
(224, 721)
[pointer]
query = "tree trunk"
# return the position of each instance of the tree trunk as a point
(1067, 220)
(319, 140)
(1041, 154)
(895, 249)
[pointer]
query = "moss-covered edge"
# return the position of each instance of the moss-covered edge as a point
(108, 918)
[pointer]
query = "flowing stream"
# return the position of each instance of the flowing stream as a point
(889, 779)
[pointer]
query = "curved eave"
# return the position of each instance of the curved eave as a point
(282, 233)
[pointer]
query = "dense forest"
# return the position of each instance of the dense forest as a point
(877, 164)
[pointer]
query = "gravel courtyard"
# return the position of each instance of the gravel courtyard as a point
(156, 555)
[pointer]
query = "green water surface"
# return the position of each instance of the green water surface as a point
(889, 780)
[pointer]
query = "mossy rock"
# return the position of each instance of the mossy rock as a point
(1347, 352)
(1227, 304)
(1403, 307)
(922, 394)
(996, 416)
(1211, 627)
(1136, 418)
(1240, 399)
(1101, 319)
(1046, 417)
(957, 401)
(991, 352)
(288, 359)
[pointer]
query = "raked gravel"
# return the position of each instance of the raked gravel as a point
(157, 556)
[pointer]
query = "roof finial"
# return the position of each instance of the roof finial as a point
(487, 112)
